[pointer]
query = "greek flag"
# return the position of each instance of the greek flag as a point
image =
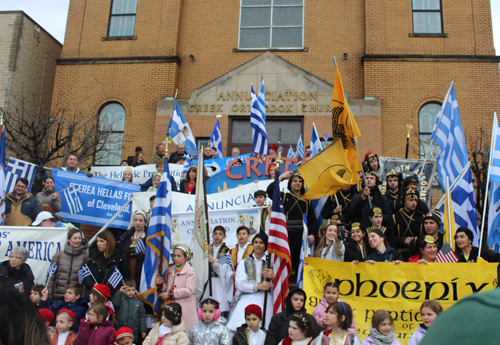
(2, 177)
(187, 164)
(315, 142)
(326, 136)
(449, 136)
(52, 269)
(83, 273)
(16, 169)
(225, 260)
(116, 278)
(305, 251)
(493, 213)
(160, 226)
(300, 147)
(140, 245)
(72, 200)
(179, 130)
(216, 140)
(258, 121)
(291, 154)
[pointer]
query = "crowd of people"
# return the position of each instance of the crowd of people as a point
(360, 225)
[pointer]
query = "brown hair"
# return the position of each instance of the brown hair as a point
(342, 309)
(137, 154)
(98, 298)
(195, 169)
(304, 323)
(242, 227)
(322, 243)
(432, 305)
(380, 316)
(38, 288)
(101, 310)
(173, 312)
(77, 288)
(108, 237)
(130, 282)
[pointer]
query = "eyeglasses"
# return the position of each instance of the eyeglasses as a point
(12, 256)
(20, 186)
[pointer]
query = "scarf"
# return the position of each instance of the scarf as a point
(164, 330)
(380, 339)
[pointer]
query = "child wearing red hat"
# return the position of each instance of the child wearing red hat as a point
(63, 336)
(251, 332)
(100, 294)
(124, 336)
(47, 316)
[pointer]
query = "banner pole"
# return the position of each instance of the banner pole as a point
(109, 222)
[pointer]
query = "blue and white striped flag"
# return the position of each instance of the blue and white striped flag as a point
(116, 278)
(216, 140)
(140, 245)
(72, 200)
(16, 169)
(225, 260)
(315, 142)
(52, 269)
(326, 136)
(179, 130)
(160, 226)
(493, 214)
(83, 273)
(448, 134)
(187, 165)
(291, 154)
(300, 148)
(258, 121)
(305, 251)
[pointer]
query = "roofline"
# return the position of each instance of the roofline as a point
(41, 27)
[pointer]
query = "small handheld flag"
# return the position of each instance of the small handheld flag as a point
(50, 272)
(116, 278)
(83, 273)
(141, 246)
(225, 260)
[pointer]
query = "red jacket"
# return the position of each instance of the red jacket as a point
(101, 334)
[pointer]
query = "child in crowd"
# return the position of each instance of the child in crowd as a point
(211, 329)
(242, 250)
(330, 295)
(156, 182)
(217, 251)
(72, 300)
(130, 310)
(171, 329)
(96, 330)
(300, 330)
(338, 319)
(429, 312)
(47, 316)
(250, 333)
(381, 330)
(124, 336)
(63, 336)
(330, 247)
(36, 294)
(100, 294)
(181, 284)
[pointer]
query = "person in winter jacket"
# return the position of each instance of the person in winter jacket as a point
(357, 247)
(130, 310)
(381, 330)
(20, 208)
(295, 303)
(48, 199)
(429, 312)
(211, 330)
(338, 319)
(329, 247)
(95, 330)
(15, 273)
(68, 262)
(170, 330)
(104, 256)
(72, 300)
(250, 332)
(381, 252)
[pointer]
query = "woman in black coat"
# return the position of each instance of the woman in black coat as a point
(16, 273)
(466, 252)
(382, 251)
(357, 248)
(104, 256)
(278, 328)
(188, 185)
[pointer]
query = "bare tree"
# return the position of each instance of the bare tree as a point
(479, 151)
(47, 136)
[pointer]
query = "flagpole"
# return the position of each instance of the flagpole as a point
(109, 222)
(207, 223)
(487, 184)
(448, 200)
(337, 200)
(356, 143)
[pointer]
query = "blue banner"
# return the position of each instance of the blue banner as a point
(101, 198)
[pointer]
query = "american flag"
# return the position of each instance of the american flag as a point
(446, 254)
(141, 246)
(115, 278)
(83, 273)
(278, 245)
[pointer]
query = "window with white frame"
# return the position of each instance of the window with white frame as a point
(112, 121)
(426, 120)
(427, 17)
(122, 18)
(271, 24)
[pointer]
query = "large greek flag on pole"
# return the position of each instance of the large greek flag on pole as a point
(494, 214)
(216, 140)
(16, 169)
(160, 226)
(258, 121)
(179, 130)
(300, 147)
(448, 134)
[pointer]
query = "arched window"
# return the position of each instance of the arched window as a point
(426, 120)
(112, 119)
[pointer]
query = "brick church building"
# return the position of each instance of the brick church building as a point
(129, 58)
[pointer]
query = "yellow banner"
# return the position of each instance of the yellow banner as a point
(399, 289)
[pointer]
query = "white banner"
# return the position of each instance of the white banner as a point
(42, 244)
(142, 173)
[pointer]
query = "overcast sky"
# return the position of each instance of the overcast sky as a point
(52, 14)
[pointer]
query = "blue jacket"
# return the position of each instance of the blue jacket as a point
(79, 307)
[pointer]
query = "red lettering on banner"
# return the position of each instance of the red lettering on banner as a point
(228, 171)
(251, 164)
